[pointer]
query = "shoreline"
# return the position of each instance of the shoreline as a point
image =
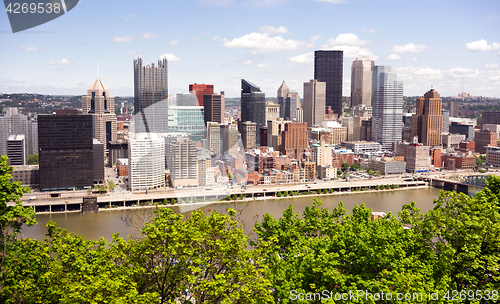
(255, 199)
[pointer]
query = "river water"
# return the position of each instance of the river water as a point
(105, 223)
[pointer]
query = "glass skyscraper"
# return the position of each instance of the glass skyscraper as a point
(328, 67)
(150, 85)
(387, 104)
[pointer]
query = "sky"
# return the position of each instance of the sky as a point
(439, 43)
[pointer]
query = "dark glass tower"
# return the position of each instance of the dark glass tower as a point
(328, 67)
(253, 105)
(150, 85)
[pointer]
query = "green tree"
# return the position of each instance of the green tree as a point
(378, 173)
(242, 196)
(345, 167)
(33, 159)
(111, 185)
(103, 189)
(354, 167)
(479, 162)
(279, 194)
(370, 172)
(195, 200)
(173, 201)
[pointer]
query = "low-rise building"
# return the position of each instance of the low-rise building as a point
(387, 165)
(485, 138)
(493, 156)
(27, 175)
(359, 147)
(459, 161)
(452, 140)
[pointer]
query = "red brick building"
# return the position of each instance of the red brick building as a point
(295, 140)
(453, 162)
(467, 145)
(484, 138)
(435, 158)
(201, 89)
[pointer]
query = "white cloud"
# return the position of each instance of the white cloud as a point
(264, 3)
(314, 38)
(127, 18)
(492, 66)
(370, 31)
(148, 35)
(124, 38)
(412, 72)
(216, 38)
(265, 65)
(263, 43)
(461, 72)
(248, 62)
(394, 57)
(134, 53)
(409, 48)
(304, 58)
(498, 54)
(414, 59)
(347, 39)
(332, 1)
(273, 30)
(62, 62)
(175, 42)
(215, 2)
(170, 57)
(29, 48)
(482, 45)
(351, 52)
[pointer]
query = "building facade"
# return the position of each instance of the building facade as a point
(249, 134)
(387, 104)
(200, 90)
(485, 138)
(361, 81)
(283, 100)
(183, 163)
(214, 106)
(328, 68)
(253, 105)
(146, 160)
(150, 84)
(16, 150)
(314, 102)
(295, 140)
(427, 123)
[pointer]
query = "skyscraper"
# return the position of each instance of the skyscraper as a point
(253, 105)
(183, 163)
(387, 104)
(16, 150)
(146, 159)
(214, 105)
(295, 140)
(361, 81)
(101, 106)
(314, 102)
(427, 123)
(200, 90)
(328, 67)
(150, 85)
(214, 143)
(295, 104)
(249, 134)
(282, 98)
(14, 123)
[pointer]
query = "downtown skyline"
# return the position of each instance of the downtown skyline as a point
(222, 41)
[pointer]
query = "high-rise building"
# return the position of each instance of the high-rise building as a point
(253, 105)
(183, 163)
(214, 105)
(65, 151)
(282, 99)
(274, 129)
(489, 117)
(453, 108)
(272, 112)
(446, 120)
(146, 159)
(200, 90)
(214, 137)
(328, 67)
(14, 123)
(361, 81)
(101, 106)
(186, 100)
(16, 150)
(150, 85)
(463, 127)
(294, 104)
(314, 102)
(387, 104)
(295, 140)
(229, 134)
(427, 123)
(186, 119)
(249, 134)
(485, 138)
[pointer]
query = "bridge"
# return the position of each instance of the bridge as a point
(458, 184)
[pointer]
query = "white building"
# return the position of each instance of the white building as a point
(146, 157)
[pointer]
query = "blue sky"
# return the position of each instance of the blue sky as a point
(265, 41)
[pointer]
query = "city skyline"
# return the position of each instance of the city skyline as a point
(211, 41)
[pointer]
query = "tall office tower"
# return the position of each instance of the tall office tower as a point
(314, 102)
(453, 108)
(283, 101)
(186, 100)
(274, 129)
(98, 161)
(294, 104)
(249, 134)
(101, 106)
(272, 112)
(200, 90)
(214, 105)
(65, 151)
(214, 137)
(446, 120)
(328, 67)
(188, 120)
(387, 104)
(427, 123)
(300, 115)
(14, 123)
(348, 123)
(183, 163)
(361, 81)
(253, 105)
(16, 150)
(150, 86)
(295, 140)
(485, 138)
(146, 161)
(229, 134)
(489, 118)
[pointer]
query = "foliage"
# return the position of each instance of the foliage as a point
(354, 167)
(378, 173)
(370, 172)
(103, 189)
(33, 159)
(111, 185)
(345, 166)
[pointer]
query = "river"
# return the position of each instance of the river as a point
(105, 223)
